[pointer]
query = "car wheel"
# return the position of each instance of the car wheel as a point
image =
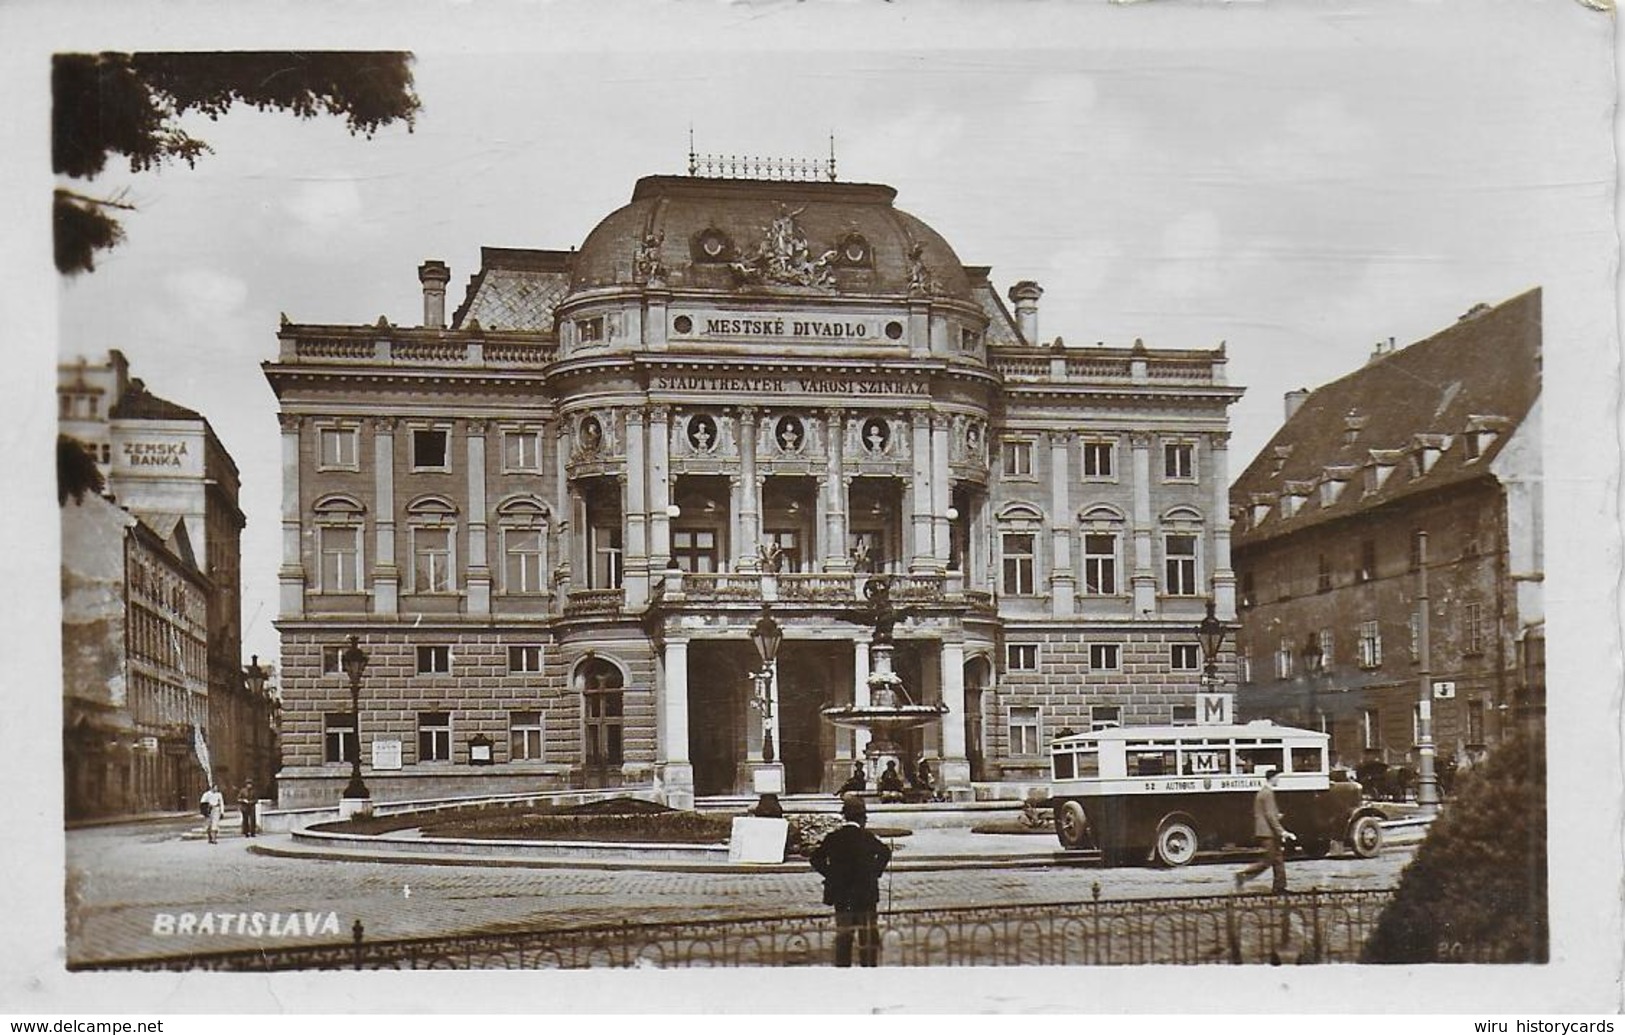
(1071, 826)
(1365, 836)
(1176, 842)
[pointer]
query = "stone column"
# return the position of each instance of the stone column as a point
(822, 545)
(1063, 583)
(941, 496)
(835, 557)
(291, 574)
(741, 557)
(386, 572)
(955, 766)
(676, 772)
(479, 570)
(659, 489)
(1143, 578)
(1224, 579)
(635, 569)
(570, 531)
(750, 501)
(921, 556)
(580, 562)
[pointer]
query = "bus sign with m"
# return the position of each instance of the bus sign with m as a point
(1215, 709)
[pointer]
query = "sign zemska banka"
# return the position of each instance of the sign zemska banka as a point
(160, 455)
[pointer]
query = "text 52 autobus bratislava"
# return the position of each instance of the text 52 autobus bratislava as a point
(1165, 792)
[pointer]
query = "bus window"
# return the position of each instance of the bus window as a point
(1308, 760)
(1152, 763)
(1209, 762)
(1256, 760)
(1065, 765)
(1088, 763)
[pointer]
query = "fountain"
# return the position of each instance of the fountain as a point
(890, 711)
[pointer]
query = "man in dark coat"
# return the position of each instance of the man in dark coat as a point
(1272, 836)
(852, 860)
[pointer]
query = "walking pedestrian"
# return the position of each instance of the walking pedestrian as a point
(248, 802)
(852, 860)
(213, 806)
(1272, 836)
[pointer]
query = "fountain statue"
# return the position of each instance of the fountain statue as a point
(890, 710)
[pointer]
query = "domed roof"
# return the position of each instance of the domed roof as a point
(730, 234)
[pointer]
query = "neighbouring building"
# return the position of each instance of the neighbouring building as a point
(1420, 471)
(134, 661)
(163, 463)
(552, 523)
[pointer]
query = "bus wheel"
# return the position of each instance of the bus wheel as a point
(1176, 842)
(1071, 825)
(1365, 836)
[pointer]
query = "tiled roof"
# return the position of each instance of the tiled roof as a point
(1001, 328)
(139, 404)
(1417, 415)
(516, 290)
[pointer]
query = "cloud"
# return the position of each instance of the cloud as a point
(206, 296)
(323, 206)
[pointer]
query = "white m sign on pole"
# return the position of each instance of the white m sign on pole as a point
(1214, 709)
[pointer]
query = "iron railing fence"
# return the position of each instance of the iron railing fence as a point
(1300, 927)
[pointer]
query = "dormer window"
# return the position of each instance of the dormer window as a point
(1280, 457)
(1293, 496)
(1481, 434)
(1381, 465)
(1261, 506)
(1332, 484)
(1426, 450)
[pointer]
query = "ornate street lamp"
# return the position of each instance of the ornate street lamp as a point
(1210, 634)
(354, 661)
(255, 677)
(767, 636)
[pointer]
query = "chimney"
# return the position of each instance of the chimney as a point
(1025, 294)
(434, 275)
(1294, 400)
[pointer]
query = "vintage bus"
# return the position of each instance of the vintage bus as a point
(1163, 793)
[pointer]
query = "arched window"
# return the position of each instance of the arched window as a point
(601, 684)
(432, 528)
(339, 521)
(1101, 533)
(1020, 525)
(523, 526)
(1182, 552)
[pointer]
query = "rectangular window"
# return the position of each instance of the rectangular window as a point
(1184, 657)
(1184, 715)
(1018, 459)
(1098, 460)
(1249, 596)
(525, 736)
(590, 330)
(1099, 564)
(694, 549)
(1283, 659)
(1370, 730)
(1323, 578)
(432, 554)
(1370, 644)
(524, 560)
(521, 450)
(1323, 646)
(782, 547)
(431, 449)
(1179, 559)
(1472, 628)
(434, 660)
(1105, 657)
(339, 447)
(606, 550)
(1021, 657)
(434, 736)
(1368, 561)
(332, 659)
(1178, 462)
(341, 559)
(526, 658)
(1475, 722)
(1244, 666)
(604, 722)
(867, 550)
(1019, 560)
(1105, 716)
(338, 737)
(1024, 731)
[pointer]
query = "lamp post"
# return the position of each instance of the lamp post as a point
(1210, 634)
(767, 636)
(255, 676)
(355, 663)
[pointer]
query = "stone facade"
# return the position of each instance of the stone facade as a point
(747, 394)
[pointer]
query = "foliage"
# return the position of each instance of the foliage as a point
(131, 105)
(76, 471)
(1476, 891)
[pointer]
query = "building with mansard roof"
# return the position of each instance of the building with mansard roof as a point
(552, 523)
(1419, 472)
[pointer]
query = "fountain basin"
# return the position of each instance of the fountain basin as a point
(882, 719)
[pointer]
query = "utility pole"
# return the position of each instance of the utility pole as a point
(1427, 782)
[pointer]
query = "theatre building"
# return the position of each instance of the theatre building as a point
(552, 523)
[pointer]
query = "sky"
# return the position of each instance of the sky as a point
(1306, 184)
(1296, 180)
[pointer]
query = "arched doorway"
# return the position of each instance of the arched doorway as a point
(978, 680)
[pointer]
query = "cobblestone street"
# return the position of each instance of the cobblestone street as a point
(122, 877)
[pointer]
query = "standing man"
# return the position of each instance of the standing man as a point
(213, 804)
(852, 860)
(1272, 836)
(249, 804)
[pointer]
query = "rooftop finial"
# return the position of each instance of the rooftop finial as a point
(693, 164)
(831, 156)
